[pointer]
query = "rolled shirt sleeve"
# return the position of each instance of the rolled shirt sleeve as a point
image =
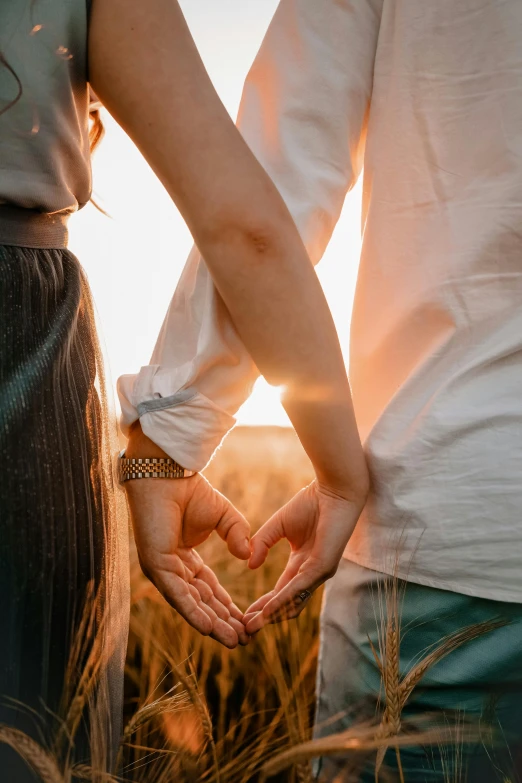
(303, 113)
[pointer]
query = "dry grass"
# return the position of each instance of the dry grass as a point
(397, 689)
(33, 754)
(247, 704)
(196, 712)
(258, 698)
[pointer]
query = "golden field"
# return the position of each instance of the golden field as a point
(197, 712)
(239, 707)
(220, 716)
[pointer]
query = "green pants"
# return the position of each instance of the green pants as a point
(482, 679)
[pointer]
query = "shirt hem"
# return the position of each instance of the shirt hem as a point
(500, 595)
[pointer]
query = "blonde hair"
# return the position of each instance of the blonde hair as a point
(96, 129)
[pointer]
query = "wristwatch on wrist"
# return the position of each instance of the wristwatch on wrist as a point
(152, 467)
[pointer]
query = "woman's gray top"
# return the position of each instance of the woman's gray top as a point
(45, 170)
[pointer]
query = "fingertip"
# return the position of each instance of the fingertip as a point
(233, 643)
(258, 557)
(240, 548)
(255, 624)
(244, 640)
(239, 628)
(245, 549)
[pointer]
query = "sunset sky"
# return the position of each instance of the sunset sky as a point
(135, 258)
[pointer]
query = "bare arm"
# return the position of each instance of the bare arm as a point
(145, 68)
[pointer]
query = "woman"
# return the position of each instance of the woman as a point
(62, 545)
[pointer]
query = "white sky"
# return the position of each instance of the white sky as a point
(135, 259)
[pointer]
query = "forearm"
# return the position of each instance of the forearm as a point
(241, 225)
(278, 307)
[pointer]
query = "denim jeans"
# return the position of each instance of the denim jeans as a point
(480, 680)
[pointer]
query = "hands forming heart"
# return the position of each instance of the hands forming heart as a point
(172, 517)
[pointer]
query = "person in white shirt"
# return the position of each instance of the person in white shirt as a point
(427, 98)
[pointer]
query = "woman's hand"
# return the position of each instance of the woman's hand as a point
(317, 522)
(172, 516)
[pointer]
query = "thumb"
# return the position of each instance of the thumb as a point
(266, 537)
(235, 530)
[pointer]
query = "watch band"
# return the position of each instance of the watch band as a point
(153, 467)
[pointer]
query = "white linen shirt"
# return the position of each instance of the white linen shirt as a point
(428, 95)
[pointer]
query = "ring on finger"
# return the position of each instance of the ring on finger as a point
(303, 596)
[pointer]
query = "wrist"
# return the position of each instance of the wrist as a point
(139, 446)
(143, 459)
(355, 490)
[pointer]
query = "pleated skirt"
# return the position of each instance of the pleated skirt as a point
(63, 530)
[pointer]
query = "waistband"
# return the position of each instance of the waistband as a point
(30, 228)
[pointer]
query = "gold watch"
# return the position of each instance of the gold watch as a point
(152, 467)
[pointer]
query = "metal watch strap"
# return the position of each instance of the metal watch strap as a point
(153, 467)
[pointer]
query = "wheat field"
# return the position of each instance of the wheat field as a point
(248, 713)
(196, 712)
(245, 704)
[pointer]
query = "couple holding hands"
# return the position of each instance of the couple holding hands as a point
(417, 458)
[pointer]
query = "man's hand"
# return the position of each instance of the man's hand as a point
(172, 516)
(317, 523)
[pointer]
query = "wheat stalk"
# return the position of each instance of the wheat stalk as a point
(166, 703)
(303, 772)
(360, 739)
(397, 691)
(202, 710)
(192, 694)
(388, 665)
(451, 643)
(33, 754)
(85, 772)
(287, 695)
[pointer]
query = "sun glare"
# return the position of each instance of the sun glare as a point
(264, 406)
(134, 258)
